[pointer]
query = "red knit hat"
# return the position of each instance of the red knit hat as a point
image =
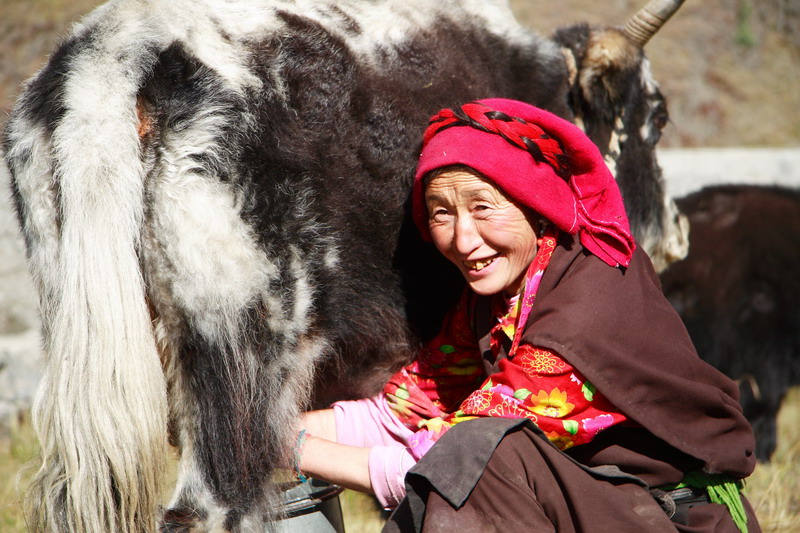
(519, 148)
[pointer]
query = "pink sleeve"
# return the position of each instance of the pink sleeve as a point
(387, 473)
(370, 423)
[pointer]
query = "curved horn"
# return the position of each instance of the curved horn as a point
(649, 19)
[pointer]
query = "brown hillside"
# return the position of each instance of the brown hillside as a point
(730, 68)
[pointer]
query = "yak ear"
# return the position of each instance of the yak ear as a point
(609, 59)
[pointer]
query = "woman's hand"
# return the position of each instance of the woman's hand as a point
(321, 457)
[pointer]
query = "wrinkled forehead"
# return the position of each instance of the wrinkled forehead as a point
(461, 176)
(459, 183)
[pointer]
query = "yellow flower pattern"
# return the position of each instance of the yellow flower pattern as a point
(535, 361)
(553, 404)
(508, 409)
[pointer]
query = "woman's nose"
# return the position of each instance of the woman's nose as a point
(466, 237)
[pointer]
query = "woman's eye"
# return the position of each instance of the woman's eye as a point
(481, 210)
(438, 215)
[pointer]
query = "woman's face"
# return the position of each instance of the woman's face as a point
(482, 231)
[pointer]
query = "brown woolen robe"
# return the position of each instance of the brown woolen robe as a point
(618, 329)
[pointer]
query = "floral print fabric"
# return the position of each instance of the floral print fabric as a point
(447, 383)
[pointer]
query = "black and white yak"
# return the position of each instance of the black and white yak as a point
(212, 197)
(738, 293)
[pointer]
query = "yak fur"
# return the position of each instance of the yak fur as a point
(213, 198)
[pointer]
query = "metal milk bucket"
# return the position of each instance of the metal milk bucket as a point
(311, 507)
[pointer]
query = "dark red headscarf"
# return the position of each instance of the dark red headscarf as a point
(539, 160)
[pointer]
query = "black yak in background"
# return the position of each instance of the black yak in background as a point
(738, 293)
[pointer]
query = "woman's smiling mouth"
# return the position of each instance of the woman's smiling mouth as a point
(477, 266)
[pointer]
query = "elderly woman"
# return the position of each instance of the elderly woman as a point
(562, 393)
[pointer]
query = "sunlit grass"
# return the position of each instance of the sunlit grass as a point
(17, 451)
(774, 488)
(361, 513)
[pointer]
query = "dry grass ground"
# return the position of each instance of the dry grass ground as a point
(729, 68)
(774, 488)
